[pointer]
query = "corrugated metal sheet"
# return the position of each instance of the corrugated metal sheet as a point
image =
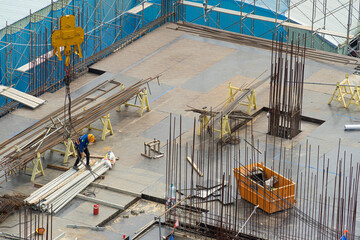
(14, 10)
(21, 97)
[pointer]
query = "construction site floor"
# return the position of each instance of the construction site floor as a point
(195, 71)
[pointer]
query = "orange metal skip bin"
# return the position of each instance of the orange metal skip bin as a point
(281, 196)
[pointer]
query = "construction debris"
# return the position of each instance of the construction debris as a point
(9, 204)
(96, 228)
(194, 166)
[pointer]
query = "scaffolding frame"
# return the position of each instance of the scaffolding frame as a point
(26, 60)
(319, 17)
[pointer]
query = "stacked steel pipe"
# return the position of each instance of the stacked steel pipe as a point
(53, 196)
(49, 131)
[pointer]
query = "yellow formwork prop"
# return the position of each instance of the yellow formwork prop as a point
(252, 102)
(342, 89)
(224, 122)
(355, 97)
(37, 167)
(107, 128)
(144, 103)
(204, 122)
(225, 127)
(251, 99)
(69, 149)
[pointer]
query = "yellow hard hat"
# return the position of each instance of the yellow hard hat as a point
(91, 138)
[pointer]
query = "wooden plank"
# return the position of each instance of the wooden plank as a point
(21, 97)
(266, 19)
(194, 166)
(20, 94)
(25, 95)
(38, 185)
(139, 8)
(56, 167)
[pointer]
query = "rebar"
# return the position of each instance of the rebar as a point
(214, 207)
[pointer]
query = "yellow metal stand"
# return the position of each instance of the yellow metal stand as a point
(251, 99)
(107, 128)
(37, 167)
(225, 127)
(204, 121)
(342, 88)
(252, 102)
(224, 122)
(144, 103)
(69, 149)
(355, 97)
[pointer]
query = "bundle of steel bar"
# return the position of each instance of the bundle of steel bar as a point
(286, 88)
(49, 131)
(53, 196)
(9, 204)
(229, 109)
(238, 38)
(326, 200)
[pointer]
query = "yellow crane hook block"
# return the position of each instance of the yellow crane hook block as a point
(68, 35)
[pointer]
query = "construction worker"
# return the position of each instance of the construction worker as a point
(81, 147)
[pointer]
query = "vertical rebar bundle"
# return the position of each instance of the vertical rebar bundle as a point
(286, 88)
(32, 225)
(209, 203)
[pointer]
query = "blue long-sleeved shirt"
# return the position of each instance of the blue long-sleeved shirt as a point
(82, 142)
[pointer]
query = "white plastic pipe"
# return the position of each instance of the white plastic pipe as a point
(352, 127)
(66, 193)
(76, 190)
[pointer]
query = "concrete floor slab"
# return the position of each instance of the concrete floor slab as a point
(14, 124)
(196, 72)
(56, 99)
(130, 178)
(81, 212)
(180, 61)
(108, 196)
(324, 75)
(160, 130)
(137, 50)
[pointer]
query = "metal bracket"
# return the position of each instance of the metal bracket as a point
(152, 147)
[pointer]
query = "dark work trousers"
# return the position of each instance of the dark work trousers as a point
(87, 153)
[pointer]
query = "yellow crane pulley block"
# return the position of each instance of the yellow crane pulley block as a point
(68, 35)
